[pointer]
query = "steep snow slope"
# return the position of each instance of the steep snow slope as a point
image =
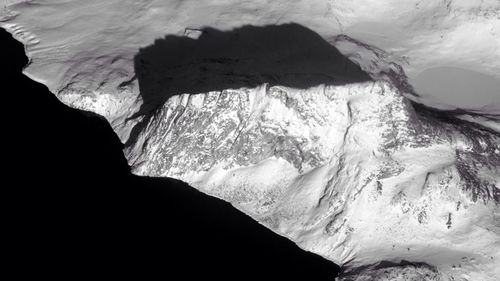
(334, 157)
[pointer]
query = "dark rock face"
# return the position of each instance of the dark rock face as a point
(481, 149)
(389, 271)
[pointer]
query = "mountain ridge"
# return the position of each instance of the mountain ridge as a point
(355, 172)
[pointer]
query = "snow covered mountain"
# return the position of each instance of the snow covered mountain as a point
(324, 145)
(353, 172)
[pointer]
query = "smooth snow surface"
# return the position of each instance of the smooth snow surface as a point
(310, 128)
(459, 87)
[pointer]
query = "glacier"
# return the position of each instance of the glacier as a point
(319, 137)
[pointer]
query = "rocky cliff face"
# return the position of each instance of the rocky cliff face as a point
(351, 172)
(345, 165)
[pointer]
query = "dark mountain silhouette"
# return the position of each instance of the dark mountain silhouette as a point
(76, 211)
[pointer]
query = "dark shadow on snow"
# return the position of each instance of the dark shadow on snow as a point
(288, 55)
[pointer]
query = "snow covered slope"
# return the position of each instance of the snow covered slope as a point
(329, 152)
(88, 46)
